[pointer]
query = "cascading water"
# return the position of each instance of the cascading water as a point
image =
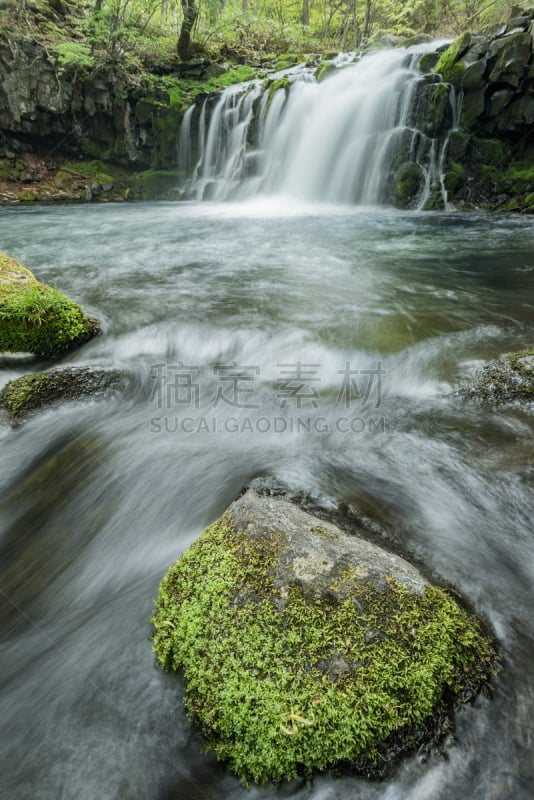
(338, 141)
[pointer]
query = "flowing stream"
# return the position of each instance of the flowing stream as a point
(98, 499)
(287, 338)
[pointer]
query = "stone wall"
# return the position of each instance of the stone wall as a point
(45, 111)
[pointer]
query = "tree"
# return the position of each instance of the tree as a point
(190, 12)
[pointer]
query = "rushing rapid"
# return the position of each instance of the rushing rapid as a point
(237, 321)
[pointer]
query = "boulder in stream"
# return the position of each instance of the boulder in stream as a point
(25, 395)
(37, 319)
(304, 647)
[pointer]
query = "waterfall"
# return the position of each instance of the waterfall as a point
(337, 141)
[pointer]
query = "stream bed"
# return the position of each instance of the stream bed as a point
(317, 346)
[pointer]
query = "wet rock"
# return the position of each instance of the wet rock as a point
(510, 379)
(409, 182)
(34, 318)
(24, 396)
(305, 647)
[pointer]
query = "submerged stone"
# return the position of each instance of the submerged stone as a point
(29, 393)
(35, 318)
(510, 379)
(305, 647)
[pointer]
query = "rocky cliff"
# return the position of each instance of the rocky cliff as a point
(490, 157)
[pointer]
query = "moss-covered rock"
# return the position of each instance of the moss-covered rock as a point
(510, 379)
(304, 647)
(34, 318)
(29, 393)
(439, 114)
(156, 185)
(408, 184)
(325, 70)
(449, 64)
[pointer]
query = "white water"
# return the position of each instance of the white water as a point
(330, 142)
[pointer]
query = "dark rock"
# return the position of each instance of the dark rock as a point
(409, 183)
(473, 107)
(24, 396)
(473, 77)
(499, 100)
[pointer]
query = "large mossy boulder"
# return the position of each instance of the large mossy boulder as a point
(509, 379)
(304, 647)
(30, 393)
(35, 318)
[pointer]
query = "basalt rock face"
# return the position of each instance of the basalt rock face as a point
(490, 156)
(45, 110)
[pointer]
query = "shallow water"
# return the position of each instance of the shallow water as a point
(222, 303)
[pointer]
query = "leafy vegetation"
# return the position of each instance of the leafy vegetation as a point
(281, 685)
(130, 33)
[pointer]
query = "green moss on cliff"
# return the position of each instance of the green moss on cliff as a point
(283, 686)
(449, 65)
(34, 318)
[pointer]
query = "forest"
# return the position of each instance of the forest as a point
(245, 29)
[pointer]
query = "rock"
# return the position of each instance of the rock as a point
(34, 318)
(510, 379)
(325, 69)
(512, 60)
(304, 647)
(24, 396)
(473, 77)
(409, 182)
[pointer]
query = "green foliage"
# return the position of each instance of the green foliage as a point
(233, 76)
(74, 55)
(89, 168)
(260, 669)
(35, 318)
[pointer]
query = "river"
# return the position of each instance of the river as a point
(312, 345)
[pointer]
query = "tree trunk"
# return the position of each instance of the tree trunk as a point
(367, 21)
(305, 12)
(98, 6)
(184, 40)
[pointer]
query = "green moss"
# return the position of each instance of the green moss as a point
(282, 686)
(154, 184)
(408, 184)
(27, 196)
(88, 168)
(449, 65)
(29, 393)
(324, 70)
(438, 110)
(34, 318)
(239, 74)
(274, 87)
(455, 177)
